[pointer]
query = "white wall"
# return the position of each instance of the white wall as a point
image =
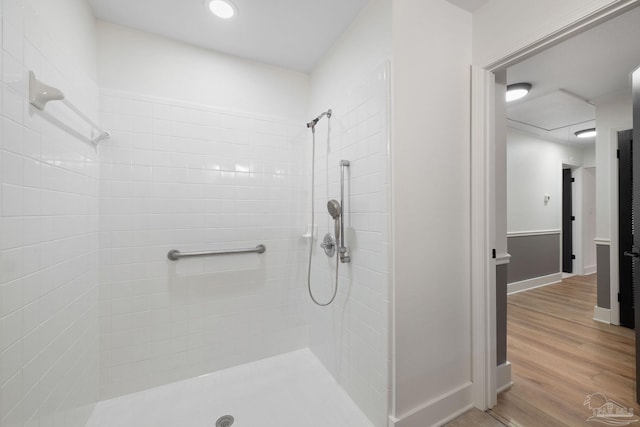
(72, 25)
(503, 27)
(534, 168)
(181, 174)
(361, 49)
(48, 221)
(147, 64)
(588, 232)
(589, 156)
(351, 337)
(431, 211)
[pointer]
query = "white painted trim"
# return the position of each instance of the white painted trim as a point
(590, 269)
(536, 282)
(601, 314)
(483, 218)
(532, 233)
(502, 259)
(547, 40)
(503, 374)
(602, 241)
(438, 411)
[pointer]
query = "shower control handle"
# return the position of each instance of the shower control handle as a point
(329, 244)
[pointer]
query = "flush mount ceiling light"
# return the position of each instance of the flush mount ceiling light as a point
(517, 91)
(222, 8)
(586, 133)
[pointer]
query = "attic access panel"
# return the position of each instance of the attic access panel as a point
(555, 110)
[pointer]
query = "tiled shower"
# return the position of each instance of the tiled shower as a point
(90, 306)
(178, 176)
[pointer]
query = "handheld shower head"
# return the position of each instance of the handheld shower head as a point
(313, 122)
(333, 206)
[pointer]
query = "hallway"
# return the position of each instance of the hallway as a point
(560, 355)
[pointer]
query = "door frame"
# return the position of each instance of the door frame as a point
(483, 215)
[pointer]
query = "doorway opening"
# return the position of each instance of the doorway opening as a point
(593, 162)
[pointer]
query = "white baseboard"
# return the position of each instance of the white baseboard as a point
(601, 314)
(438, 411)
(536, 282)
(590, 269)
(503, 376)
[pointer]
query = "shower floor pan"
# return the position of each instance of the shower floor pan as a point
(289, 390)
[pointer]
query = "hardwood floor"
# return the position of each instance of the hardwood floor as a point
(560, 355)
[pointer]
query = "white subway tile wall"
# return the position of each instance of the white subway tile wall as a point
(176, 176)
(193, 178)
(48, 233)
(351, 337)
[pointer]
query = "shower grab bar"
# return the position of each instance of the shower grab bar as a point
(40, 94)
(175, 255)
(344, 256)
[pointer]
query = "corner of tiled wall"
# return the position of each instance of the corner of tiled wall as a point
(48, 238)
(351, 337)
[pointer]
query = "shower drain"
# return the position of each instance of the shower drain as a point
(224, 421)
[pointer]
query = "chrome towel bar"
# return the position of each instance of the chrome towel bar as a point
(175, 255)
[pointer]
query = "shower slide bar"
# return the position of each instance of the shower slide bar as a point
(175, 255)
(40, 94)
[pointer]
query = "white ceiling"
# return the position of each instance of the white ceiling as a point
(293, 34)
(591, 66)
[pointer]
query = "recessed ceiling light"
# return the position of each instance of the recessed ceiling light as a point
(586, 133)
(517, 91)
(222, 8)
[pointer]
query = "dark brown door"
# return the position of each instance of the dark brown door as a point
(567, 222)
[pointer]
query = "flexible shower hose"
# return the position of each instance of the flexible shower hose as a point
(313, 167)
